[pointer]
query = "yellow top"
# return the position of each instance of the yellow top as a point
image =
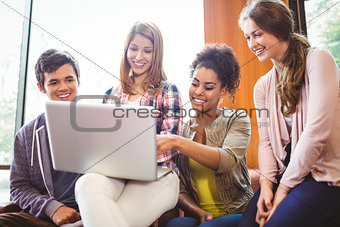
(204, 179)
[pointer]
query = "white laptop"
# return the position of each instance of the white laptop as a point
(115, 141)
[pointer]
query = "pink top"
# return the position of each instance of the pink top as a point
(315, 132)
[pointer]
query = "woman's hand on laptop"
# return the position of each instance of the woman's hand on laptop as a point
(167, 142)
(65, 215)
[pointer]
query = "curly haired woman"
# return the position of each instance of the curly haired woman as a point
(215, 186)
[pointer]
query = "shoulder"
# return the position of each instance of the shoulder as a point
(112, 95)
(321, 61)
(113, 90)
(263, 84)
(108, 92)
(230, 116)
(264, 80)
(318, 53)
(37, 122)
(235, 119)
(317, 56)
(26, 131)
(169, 87)
(170, 94)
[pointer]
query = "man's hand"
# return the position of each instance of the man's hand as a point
(65, 215)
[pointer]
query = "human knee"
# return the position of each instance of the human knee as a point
(88, 180)
(96, 184)
(172, 185)
(172, 181)
(88, 183)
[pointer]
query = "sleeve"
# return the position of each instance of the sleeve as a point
(172, 121)
(23, 193)
(235, 143)
(267, 162)
(107, 96)
(323, 76)
(113, 96)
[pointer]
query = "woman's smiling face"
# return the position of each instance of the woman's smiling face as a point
(263, 44)
(139, 55)
(205, 90)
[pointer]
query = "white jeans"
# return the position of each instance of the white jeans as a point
(105, 201)
(76, 224)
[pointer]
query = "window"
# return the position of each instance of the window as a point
(94, 32)
(323, 25)
(11, 25)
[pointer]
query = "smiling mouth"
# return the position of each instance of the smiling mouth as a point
(64, 96)
(139, 64)
(258, 52)
(198, 101)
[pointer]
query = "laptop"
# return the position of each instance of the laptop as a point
(115, 141)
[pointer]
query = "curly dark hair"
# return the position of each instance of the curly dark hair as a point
(221, 59)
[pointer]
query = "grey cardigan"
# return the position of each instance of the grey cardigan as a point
(230, 134)
(31, 182)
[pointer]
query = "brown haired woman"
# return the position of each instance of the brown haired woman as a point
(105, 201)
(299, 153)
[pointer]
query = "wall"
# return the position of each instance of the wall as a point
(221, 26)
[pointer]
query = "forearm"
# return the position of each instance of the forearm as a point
(188, 205)
(25, 192)
(266, 184)
(203, 154)
(28, 198)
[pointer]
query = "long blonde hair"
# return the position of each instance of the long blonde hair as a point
(156, 76)
(274, 17)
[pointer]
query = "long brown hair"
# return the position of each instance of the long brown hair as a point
(156, 75)
(274, 17)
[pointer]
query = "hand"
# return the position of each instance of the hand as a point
(65, 215)
(281, 193)
(166, 142)
(205, 216)
(264, 203)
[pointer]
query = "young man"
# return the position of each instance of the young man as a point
(46, 196)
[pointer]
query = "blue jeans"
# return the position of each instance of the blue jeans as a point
(224, 221)
(311, 204)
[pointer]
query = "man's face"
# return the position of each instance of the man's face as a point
(61, 85)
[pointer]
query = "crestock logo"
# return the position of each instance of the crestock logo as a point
(73, 114)
(119, 112)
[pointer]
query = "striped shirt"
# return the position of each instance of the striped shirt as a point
(168, 111)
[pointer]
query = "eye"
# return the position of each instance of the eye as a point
(148, 51)
(209, 88)
(194, 84)
(247, 38)
(70, 80)
(258, 34)
(52, 83)
(133, 49)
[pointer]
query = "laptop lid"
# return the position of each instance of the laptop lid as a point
(115, 141)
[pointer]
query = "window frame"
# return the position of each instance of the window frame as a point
(299, 14)
(20, 110)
